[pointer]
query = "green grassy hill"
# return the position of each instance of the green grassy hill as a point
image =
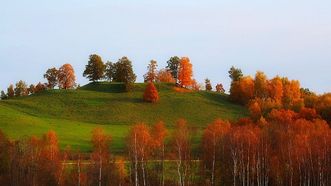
(74, 113)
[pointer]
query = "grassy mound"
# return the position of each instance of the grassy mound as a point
(74, 113)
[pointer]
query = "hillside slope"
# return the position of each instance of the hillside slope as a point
(74, 113)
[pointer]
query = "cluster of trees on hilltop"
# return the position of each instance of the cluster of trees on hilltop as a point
(261, 95)
(178, 70)
(286, 148)
(64, 78)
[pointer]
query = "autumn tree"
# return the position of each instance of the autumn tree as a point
(260, 85)
(181, 143)
(173, 66)
(52, 77)
(40, 87)
(195, 85)
(151, 74)
(21, 89)
(123, 72)
(291, 94)
(208, 85)
(219, 88)
(95, 68)
(242, 91)
(213, 148)
(139, 139)
(100, 157)
(158, 134)
(66, 77)
(10, 91)
(185, 72)
(5, 148)
(164, 76)
(151, 94)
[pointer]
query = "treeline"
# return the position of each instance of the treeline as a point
(178, 70)
(261, 95)
(285, 148)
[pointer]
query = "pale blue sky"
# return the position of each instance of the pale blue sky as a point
(286, 37)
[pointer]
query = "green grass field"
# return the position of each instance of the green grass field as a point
(74, 113)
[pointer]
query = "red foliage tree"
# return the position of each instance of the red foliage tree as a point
(151, 94)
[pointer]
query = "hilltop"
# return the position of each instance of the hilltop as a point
(74, 113)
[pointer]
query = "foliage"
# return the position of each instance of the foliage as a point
(185, 72)
(151, 94)
(21, 89)
(173, 66)
(164, 76)
(66, 77)
(208, 85)
(151, 74)
(52, 77)
(95, 68)
(123, 72)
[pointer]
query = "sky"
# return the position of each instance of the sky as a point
(280, 37)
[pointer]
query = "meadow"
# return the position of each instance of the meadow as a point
(73, 114)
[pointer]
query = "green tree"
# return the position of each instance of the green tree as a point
(21, 89)
(3, 95)
(123, 72)
(208, 85)
(51, 76)
(173, 66)
(235, 74)
(95, 68)
(109, 71)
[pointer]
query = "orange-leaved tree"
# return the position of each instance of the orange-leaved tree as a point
(139, 140)
(185, 72)
(66, 76)
(213, 143)
(151, 94)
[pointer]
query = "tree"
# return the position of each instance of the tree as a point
(10, 91)
(173, 67)
(95, 68)
(208, 85)
(213, 144)
(159, 133)
(181, 143)
(123, 72)
(109, 71)
(40, 87)
(235, 74)
(185, 72)
(21, 89)
(164, 76)
(66, 77)
(100, 155)
(219, 88)
(261, 85)
(151, 94)
(195, 85)
(3, 95)
(32, 89)
(151, 74)
(52, 77)
(139, 143)
(243, 90)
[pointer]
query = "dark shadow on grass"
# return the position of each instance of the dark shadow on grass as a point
(105, 87)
